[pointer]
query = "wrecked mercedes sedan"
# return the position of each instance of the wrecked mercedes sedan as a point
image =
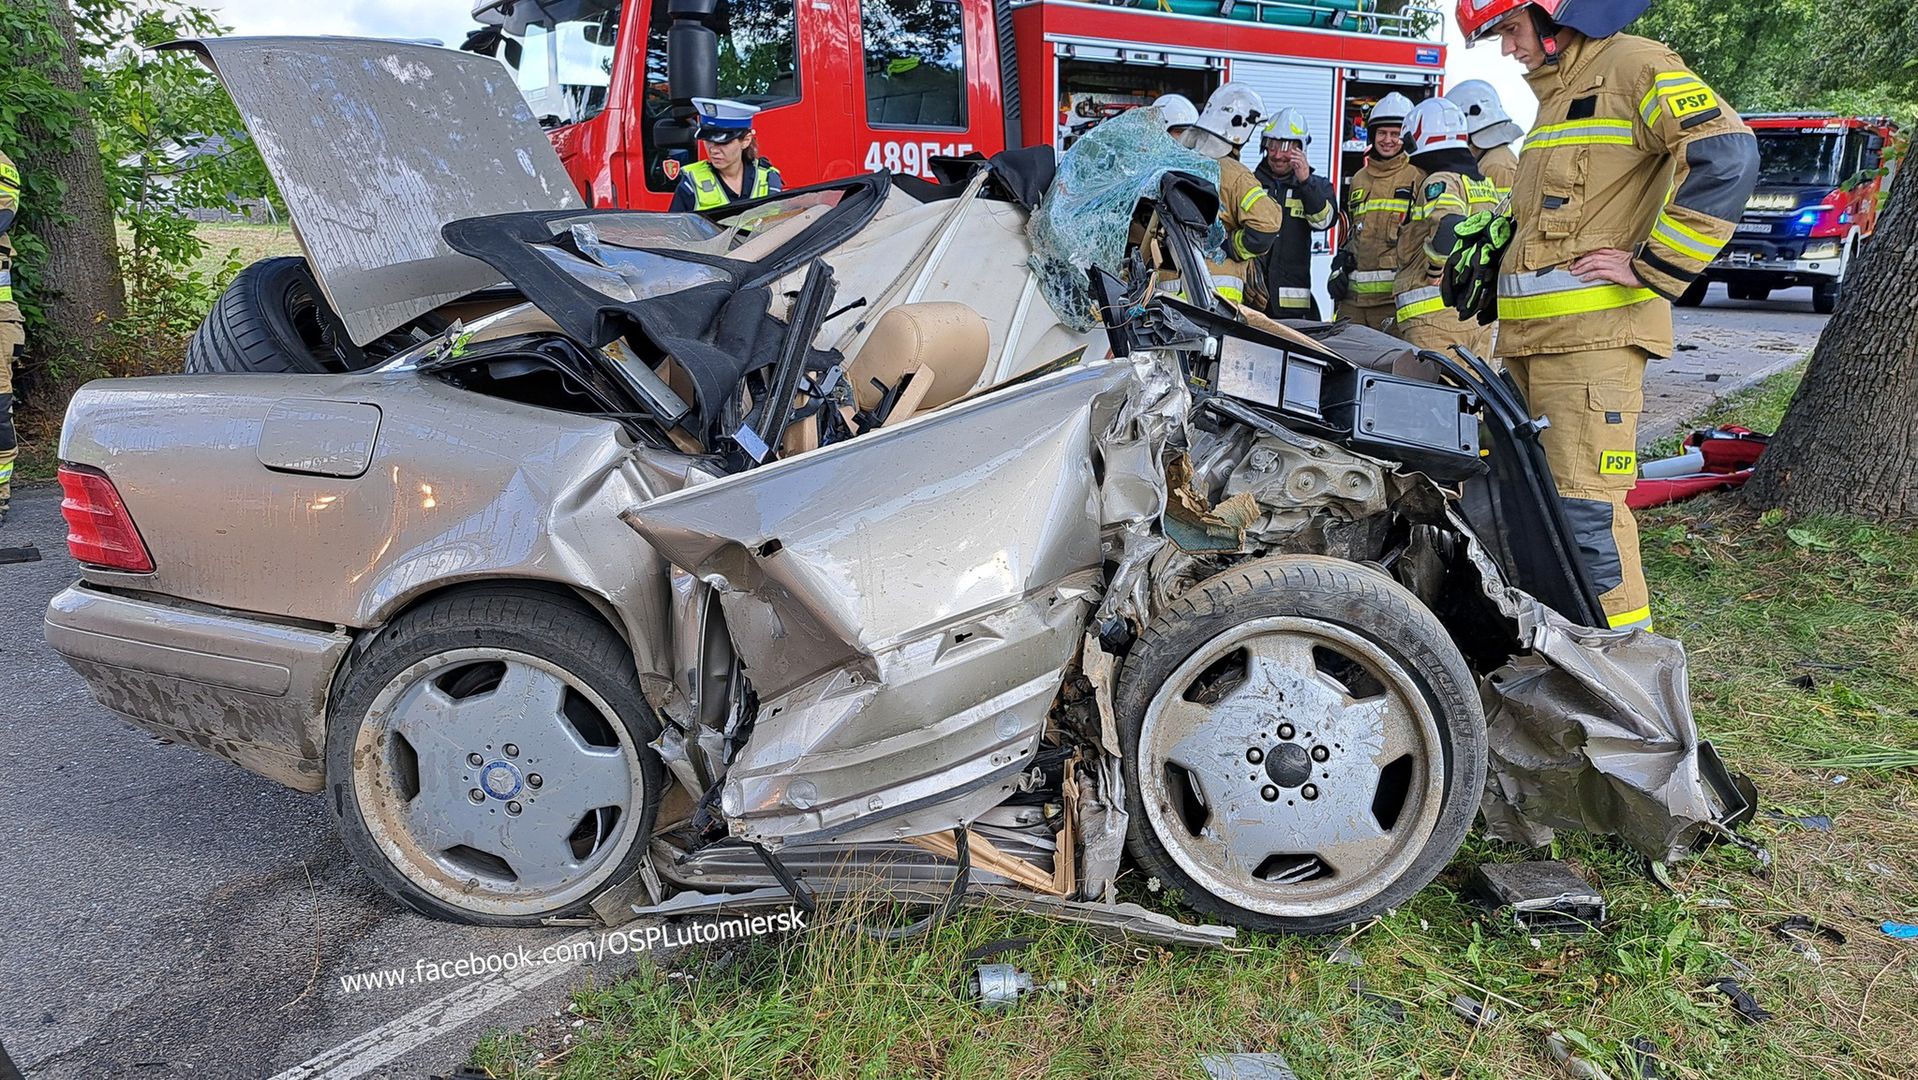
(880, 528)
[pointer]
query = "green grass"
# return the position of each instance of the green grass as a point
(1761, 603)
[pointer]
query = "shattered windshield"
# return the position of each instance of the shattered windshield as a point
(1086, 217)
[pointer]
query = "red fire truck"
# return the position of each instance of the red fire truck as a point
(857, 85)
(1821, 179)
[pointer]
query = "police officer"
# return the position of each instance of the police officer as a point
(733, 169)
(1630, 181)
(1304, 198)
(1451, 190)
(1250, 217)
(1376, 203)
(13, 331)
(1492, 131)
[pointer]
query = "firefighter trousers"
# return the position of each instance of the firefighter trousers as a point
(1375, 316)
(13, 335)
(1593, 399)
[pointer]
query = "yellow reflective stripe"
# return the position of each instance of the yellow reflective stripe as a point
(1635, 617)
(6, 293)
(1374, 286)
(1251, 197)
(1235, 295)
(1599, 297)
(1397, 206)
(1238, 244)
(1686, 239)
(6, 471)
(1416, 302)
(1589, 131)
(9, 176)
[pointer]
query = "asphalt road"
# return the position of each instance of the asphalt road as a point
(168, 915)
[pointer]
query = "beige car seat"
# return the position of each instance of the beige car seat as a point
(943, 345)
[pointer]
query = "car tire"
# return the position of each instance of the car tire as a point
(553, 800)
(272, 318)
(1824, 296)
(1300, 788)
(1694, 293)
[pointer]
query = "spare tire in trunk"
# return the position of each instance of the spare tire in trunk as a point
(274, 318)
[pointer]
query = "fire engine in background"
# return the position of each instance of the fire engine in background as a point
(1821, 180)
(860, 85)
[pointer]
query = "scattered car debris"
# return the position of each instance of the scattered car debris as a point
(1813, 822)
(28, 553)
(1000, 947)
(1903, 931)
(1795, 929)
(1803, 682)
(1000, 987)
(1641, 1053)
(1569, 1060)
(1394, 1010)
(1344, 955)
(1473, 1011)
(1742, 1001)
(1247, 1067)
(1545, 895)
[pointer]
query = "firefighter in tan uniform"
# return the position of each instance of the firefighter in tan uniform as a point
(1452, 189)
(1252, 220)
(1376, 203)
(1492, 131)
(13, 331)
(1629, 182)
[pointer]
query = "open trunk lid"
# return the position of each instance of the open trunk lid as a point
(377, 144)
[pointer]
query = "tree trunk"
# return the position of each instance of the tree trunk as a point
(1849, 441)
(80, 290)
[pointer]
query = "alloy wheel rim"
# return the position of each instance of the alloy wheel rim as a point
(1292, 767)
(497, 782)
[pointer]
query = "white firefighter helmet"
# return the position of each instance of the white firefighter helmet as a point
(1178, 110)
(1289, 124)
(1232, 113)
(1435, 124)
(1485, 115)
(1390, 109)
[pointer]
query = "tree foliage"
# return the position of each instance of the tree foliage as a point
(170, 141)
(1860, 57)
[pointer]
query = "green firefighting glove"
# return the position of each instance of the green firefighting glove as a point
(1469, 283)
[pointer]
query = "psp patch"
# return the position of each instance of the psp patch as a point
(1434, 189)
(1691, 101)
(1617, 463)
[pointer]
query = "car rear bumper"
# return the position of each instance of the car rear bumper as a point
(239, 686)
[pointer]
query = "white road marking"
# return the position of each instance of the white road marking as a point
(375, 1047)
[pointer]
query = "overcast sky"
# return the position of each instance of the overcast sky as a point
(448, 21)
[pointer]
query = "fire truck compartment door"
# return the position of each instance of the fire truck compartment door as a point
(1301, 86)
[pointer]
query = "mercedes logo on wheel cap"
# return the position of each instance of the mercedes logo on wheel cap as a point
(500, 780)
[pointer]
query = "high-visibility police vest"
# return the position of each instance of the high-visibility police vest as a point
(710, 193)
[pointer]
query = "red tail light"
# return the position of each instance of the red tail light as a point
(100, 532)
